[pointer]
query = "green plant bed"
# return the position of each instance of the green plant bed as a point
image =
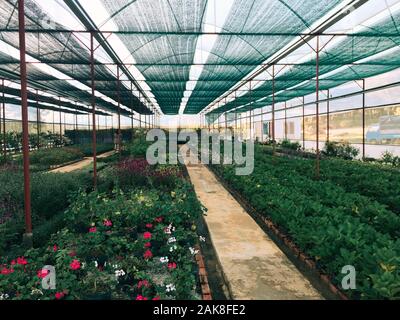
(135, 245)
(50, 196)
(335, 227)
(87, 149)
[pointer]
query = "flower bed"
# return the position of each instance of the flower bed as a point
(334, 227)
(132, 244)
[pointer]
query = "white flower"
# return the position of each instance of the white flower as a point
(171, 240)
(193, 251)
(5, 296)
(96, 264)
(119, 273)
(170, 287)
(164, 260)
(169, 229)
(202, 239)
(173, 248)
(36, 292)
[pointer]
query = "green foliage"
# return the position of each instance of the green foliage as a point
(287, 144)
(106, 233)
(55, 156)
(87, 149)
(389, 159)
(340, 150)
(335, 226)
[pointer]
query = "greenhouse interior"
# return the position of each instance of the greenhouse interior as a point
(200, 150)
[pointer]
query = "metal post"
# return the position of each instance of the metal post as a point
(38, 119)
(131, 106)
(59, 101)
(119, 110)
(363, 120)
(328, 117)
(25, 128)
(94, 135)
(304, 125)
(286, 121)
(273, 111)
(317, 164)
(4, 122)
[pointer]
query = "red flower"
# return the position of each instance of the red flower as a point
(6, 271)
(172, 265)
(59, 295)
(140, 297)
(159, 219)
(75, 265)
(42, 273)
(107, 223)
(93, 230)
(147, 245)
(55, 248)
(148, 255)
(13, 263)
(149, 226)
(143, 283)
(22, 261)
(156, 298)
(147, 235)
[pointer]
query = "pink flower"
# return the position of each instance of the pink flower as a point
(107, 223)
(149, 226)
(148, 255)
(159, 219)
(6, 271)
(147, 235)
(172, 265)
(22, 261)
(59, 295)
(13, 263)
(93, 230)
(42, 273)
(143, 283)
(140, 297)
(75, 265)
(147, 245)
(55, 248)
(156, 298)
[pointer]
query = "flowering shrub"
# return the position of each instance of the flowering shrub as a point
(111, 249)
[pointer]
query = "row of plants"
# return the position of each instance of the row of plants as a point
(376, 182)
(48, 139)
(134, 238)
(50, 197)
(333, 226)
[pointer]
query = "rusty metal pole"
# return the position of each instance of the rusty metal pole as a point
(328, 117)
(304, 125)
(273, 112)
(119, 110)
(28, 236)
(363, 121)
(4, 122)
(38, 119)
(286, 131)
(131, 107)
(94, 135)
(317, 164)
(59, 102)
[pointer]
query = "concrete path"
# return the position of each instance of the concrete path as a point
(254, 267)
(81, 164)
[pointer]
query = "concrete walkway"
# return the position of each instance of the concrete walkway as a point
(81, 164)
(254, 267)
